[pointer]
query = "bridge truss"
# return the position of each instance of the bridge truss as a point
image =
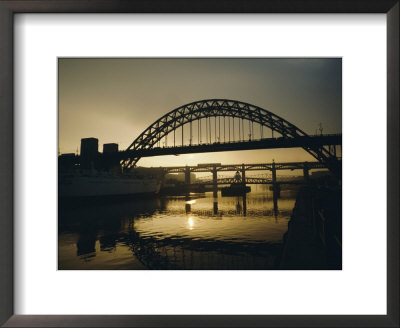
(204, 110)
(248, 167)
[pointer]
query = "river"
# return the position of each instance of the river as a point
(196, 231)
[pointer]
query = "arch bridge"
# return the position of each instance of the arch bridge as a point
(215, 122)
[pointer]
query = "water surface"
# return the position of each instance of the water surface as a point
(195, 231)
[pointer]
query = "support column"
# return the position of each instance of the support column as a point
(273, 174)
(215, 184)
(244, 205)
(243, 176)
(187, 176)
(275, 186)
(187, 180)
(215, 206)
(188, 207)
(275, 201)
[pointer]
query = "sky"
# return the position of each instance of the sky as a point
(115, 99)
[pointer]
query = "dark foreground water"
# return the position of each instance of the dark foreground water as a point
(197, 231)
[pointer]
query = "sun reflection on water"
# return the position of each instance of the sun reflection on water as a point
(190, 223)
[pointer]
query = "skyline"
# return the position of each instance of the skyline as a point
(114, 99)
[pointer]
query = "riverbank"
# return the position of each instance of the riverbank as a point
(313, 239)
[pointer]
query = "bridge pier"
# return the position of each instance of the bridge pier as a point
(275, 201)
(187, 175)
(243, 176)
(215, 181)
(275, 186)
(215, 207)
(188, 207)
(244, 205)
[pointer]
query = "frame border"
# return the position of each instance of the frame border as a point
(10, 7)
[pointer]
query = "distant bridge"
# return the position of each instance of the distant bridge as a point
(214, 168)
(248, 167)
(249, 180)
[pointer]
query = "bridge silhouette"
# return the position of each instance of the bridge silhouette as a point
(217, 125)
(209, 167)
(230, 134)
(273, 167)
(249, 180)
(266, 143)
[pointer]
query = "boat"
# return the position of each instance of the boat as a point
(235, 189)
(105, 185)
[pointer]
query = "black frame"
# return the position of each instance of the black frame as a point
(7, 10)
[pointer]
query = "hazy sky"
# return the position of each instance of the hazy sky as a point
(114, 100)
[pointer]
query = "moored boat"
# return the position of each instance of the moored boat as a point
(235, 189)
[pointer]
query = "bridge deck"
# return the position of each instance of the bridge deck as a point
(248, 167)
(225, 181)
(266, 143)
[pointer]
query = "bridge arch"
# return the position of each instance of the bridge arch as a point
(204, 109)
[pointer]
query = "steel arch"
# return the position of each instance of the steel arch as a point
(226, 108)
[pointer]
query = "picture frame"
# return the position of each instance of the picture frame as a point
(7, 10)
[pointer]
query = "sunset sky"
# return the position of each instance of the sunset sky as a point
(114, 100)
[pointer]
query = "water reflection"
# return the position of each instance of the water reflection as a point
(196, 231)
(190, 222)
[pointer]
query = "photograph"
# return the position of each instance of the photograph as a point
(199, 163)
(203, 141)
